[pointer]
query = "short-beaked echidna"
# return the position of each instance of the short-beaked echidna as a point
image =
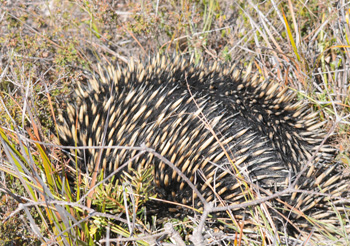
(211, 121)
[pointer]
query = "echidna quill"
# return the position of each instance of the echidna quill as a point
(213, 122)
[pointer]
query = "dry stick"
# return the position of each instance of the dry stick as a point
(130, 226)
(290, 189)
(197, 237)
(254, 202)
(166, 161)
(168, 230)
(168, 227)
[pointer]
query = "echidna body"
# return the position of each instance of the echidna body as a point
(212, 122)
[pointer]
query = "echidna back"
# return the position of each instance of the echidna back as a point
(211, 122)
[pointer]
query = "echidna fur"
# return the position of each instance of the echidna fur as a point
(210, 121)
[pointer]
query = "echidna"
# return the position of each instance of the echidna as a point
(211, 121)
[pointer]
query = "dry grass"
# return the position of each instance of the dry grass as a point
(47, 45)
